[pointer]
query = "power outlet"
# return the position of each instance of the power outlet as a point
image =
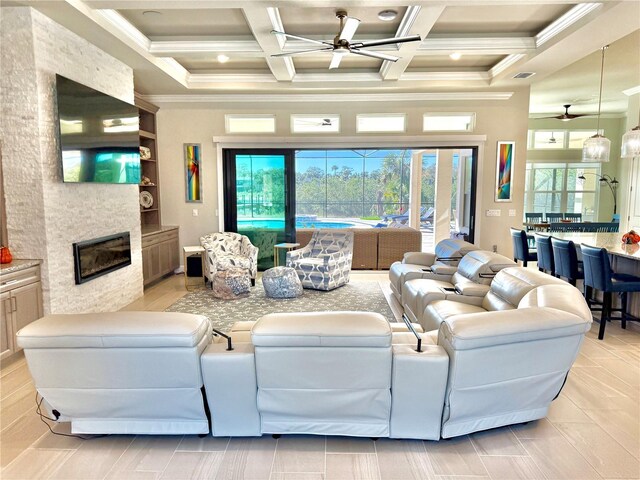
(194, 212)
(494, 248)
(493, 213)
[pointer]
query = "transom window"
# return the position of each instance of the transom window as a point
(381, 123)
(448, 122)
(250, 123)
(558, 139)
(321, 123)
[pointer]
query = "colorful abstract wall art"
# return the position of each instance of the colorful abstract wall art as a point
(193, 172)
(504, 171)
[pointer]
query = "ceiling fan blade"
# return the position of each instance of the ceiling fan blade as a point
(349, 29)
(300, 52)
(381, 56)
(387, 41)
(304, 39)
(335, 61)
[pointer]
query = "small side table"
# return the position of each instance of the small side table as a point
(189, 252)
(287, 247)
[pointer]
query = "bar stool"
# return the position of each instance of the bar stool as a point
(545, 254)
(599, 276)
(565, 259)
(573, 217)
(532, 218)
(521, 249)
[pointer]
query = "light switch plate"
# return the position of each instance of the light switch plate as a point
(493, 213)
(512, 212)
(194, 212)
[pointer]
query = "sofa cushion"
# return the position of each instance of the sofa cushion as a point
(450, 251)
(511, 284)
(115, 330)
(226, 262)
(440, 310)
(340, 329)
(481, 266)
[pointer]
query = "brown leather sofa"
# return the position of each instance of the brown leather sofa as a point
(375, 248)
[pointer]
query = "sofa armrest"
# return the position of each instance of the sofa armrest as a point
(232, 389)
(470, 289)
(441, 269)
(418, 385)
(480, 330)
(294, 255)
(419, 258)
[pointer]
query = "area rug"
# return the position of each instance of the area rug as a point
(355, 296)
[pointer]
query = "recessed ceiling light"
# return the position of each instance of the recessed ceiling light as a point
(223, 58)
(387, 15)
(455, 56)
(151, 12)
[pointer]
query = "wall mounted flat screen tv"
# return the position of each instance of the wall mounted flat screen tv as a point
(99, 139)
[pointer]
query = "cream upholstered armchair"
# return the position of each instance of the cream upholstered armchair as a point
(325, 263)
(227, 250)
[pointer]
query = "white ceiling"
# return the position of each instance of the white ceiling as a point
(173, 47)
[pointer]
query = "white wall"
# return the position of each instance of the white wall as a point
(44, 215)
(186, 123)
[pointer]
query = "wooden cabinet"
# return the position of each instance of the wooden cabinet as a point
(160, 254)
(21, 303)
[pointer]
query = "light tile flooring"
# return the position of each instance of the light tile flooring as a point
(592, 431)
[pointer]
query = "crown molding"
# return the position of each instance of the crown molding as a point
(337, 77)
(327, 97)
(170, 47)
(445, 76)
(353, 141)
(505, 63)
(198, 79)
(564, 22)
(125, 27)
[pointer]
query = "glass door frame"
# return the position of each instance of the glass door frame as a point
(229, 186)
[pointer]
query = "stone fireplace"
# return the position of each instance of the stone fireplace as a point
(99, 256)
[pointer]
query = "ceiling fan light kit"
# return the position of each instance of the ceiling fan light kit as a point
(598, 147)
(342, 43)
(387, 15)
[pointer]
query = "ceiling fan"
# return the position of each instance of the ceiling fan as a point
(342, 44)
(566, 116)
(320, 122)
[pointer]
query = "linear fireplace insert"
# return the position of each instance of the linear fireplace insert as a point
(99, 256)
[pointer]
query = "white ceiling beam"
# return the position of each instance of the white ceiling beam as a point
(475, 45)
(417, 21)
(243, 48)
(261, 21)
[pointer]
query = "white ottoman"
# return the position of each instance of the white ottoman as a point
(120, 372)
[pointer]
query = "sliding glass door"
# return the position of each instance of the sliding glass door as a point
(259, 198)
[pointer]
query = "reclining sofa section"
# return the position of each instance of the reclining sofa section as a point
(120, 372)
(334, 373)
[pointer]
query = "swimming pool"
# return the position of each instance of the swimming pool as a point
(279, 224)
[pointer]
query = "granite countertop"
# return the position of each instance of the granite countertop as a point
(153, 229)
(611, 241)
(17, 265)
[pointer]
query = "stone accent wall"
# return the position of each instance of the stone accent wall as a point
(44, 215)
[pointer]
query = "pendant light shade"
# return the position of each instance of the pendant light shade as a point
(598, 147)
(631, 143)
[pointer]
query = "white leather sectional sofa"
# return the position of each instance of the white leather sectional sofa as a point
(468, 283)
(330, 373)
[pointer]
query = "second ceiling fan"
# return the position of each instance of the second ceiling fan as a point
(342, 43)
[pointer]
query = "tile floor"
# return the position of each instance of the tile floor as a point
(592, 431)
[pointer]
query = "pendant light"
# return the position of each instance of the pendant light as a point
(597, 148)
(631, 142)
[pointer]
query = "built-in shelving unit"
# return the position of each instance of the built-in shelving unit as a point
(149, 217)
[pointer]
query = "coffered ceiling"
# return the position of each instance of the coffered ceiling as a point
(173, 45)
